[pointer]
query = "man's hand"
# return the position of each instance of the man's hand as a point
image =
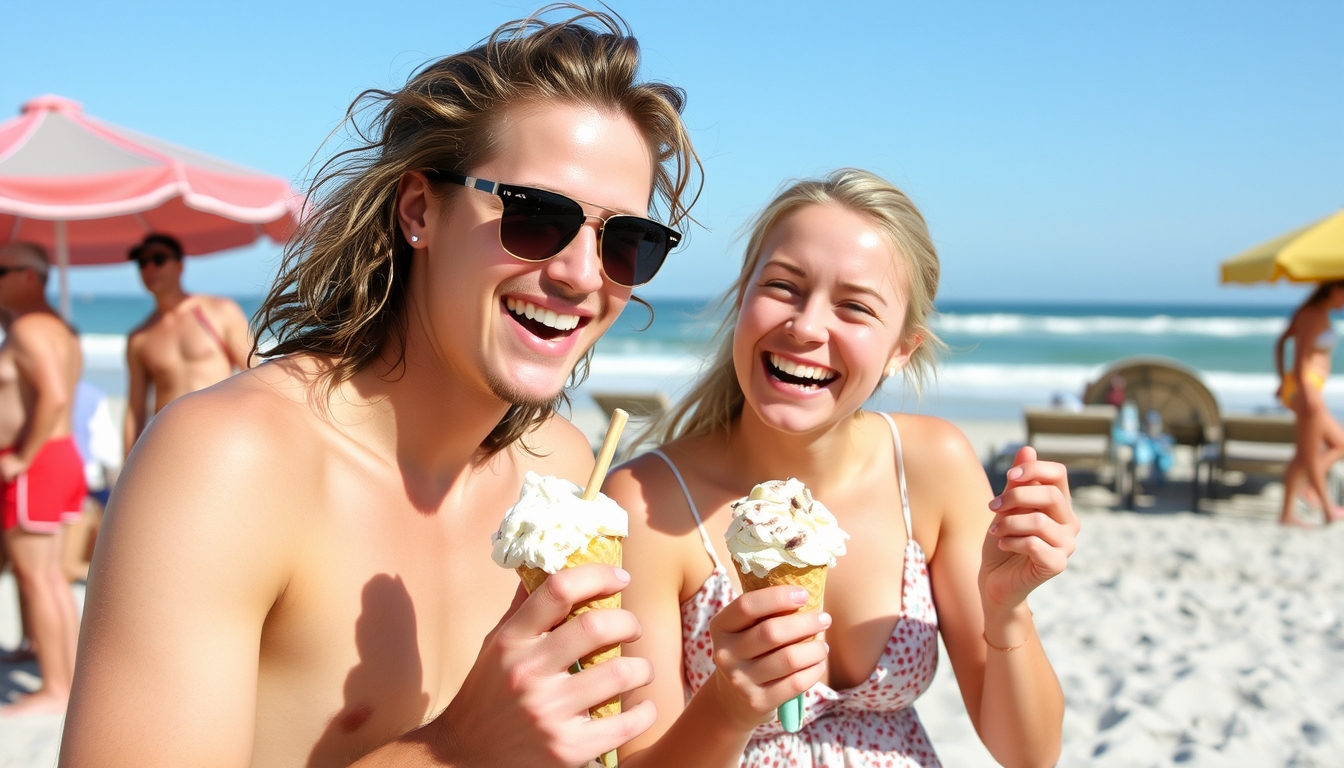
(519, 704)
(11, 466)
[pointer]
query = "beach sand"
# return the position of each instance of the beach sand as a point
(1180, 639)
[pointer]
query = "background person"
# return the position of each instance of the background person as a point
(187, 343)
(99, 448)
(295, 568)
(41, 475)
(1320, 440)
(833, 297)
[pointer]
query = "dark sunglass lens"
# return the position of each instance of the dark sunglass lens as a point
(633, 250)
(537, 225)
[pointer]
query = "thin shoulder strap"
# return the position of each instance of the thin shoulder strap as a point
(700, 526)
(900, 476)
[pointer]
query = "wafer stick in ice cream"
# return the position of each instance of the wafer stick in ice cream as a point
(780, 535)
(554, 526)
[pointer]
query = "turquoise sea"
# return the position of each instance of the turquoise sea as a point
(1000, 356)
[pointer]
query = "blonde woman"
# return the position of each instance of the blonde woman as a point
(1320, 440)
(833, 297)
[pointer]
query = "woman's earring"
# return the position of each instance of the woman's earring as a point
(892, 371)
(415, 238)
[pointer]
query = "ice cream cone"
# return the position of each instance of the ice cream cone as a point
(601, 549)
(812, 578)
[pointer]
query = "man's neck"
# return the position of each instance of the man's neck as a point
(167, 300)
(420, 416)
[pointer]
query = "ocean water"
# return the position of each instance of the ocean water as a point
(999, 356)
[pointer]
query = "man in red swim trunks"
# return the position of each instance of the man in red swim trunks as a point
(41, 475)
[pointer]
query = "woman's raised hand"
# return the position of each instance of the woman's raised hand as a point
(766, 652)
(1033, 532)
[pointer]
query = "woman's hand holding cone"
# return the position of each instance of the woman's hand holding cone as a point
(766, 652)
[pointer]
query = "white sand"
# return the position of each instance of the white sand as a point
(1179, 639)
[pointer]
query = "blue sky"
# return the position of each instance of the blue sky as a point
(1060, 151)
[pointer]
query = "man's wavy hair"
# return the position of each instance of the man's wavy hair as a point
(341, 291)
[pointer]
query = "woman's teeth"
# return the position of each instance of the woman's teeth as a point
(813, 372)
(547, 317)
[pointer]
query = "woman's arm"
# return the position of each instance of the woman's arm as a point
(762, 662)
(980, 584)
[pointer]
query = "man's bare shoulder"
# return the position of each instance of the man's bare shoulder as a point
(260, 420)
(39, 326)
(556, 447)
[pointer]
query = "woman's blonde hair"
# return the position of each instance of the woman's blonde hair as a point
(716, 400)
(341, 290)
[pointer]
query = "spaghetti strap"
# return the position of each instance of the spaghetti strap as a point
(700, 526)
(900, 476)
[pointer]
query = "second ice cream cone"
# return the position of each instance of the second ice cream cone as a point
(812, 578)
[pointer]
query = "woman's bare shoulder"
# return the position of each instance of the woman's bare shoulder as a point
(648, 484)
(929, 439)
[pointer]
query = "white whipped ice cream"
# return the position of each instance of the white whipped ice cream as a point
(551, 521)
(781, 523)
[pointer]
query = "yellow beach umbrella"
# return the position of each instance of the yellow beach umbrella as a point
(1308, 255)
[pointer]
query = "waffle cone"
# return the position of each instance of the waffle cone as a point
(601, 549)
(811, 577)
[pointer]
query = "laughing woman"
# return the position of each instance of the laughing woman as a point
(833, 297)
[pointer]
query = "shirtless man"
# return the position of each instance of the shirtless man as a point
(41, 474)
(296, 565)
(188, 342)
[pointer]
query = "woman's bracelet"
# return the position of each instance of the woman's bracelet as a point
(985, 637)
(1004, 650)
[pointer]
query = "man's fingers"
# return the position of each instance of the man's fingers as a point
(608, 733)
(556, 597)
(586, 633)
(758, 604)
(611, 678)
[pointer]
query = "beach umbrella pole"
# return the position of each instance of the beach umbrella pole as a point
(63, 264)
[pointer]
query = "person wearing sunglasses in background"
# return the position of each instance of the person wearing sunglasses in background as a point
(297, 564)
(188, 342)
(41, 473)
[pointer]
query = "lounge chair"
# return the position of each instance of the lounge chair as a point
(1078, 439)
(1250, 444)
(1188, 409)
(640, 405)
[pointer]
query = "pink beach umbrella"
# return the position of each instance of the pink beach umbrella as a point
(89, 190)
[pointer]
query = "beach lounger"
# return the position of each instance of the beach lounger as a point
(1078, 439)
(1252, 444)
(640, 405)
(1189, 411)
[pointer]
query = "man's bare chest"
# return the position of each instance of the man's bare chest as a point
(378, 626)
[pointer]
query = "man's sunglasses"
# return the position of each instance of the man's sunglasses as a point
(538, 224)
(158, 260)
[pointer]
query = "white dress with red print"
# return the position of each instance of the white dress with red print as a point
(873, 724)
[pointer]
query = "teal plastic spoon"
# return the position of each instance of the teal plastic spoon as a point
(791, 714)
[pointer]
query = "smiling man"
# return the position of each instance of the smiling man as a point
(297, 569)
(188, 342)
